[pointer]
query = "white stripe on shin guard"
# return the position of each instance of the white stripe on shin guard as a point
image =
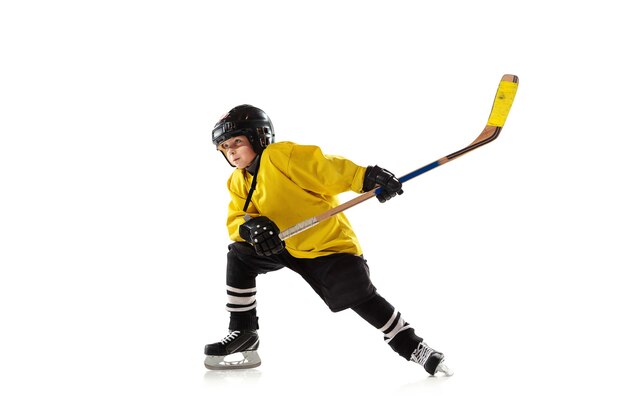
(233, 299)
(390, 322)
(240, 309)
(240, 290)
(240, 299)
(395, 325)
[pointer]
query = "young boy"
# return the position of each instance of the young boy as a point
(275, 186)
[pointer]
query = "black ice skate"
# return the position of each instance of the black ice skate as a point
(244, 342)
(430, 359)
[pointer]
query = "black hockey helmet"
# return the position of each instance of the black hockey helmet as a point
(246, 120)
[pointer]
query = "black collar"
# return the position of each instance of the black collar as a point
(254, 165)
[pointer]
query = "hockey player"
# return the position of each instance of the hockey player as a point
(274, 186)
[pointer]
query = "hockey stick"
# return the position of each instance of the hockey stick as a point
(499, 112)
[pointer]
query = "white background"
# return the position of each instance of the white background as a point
(112, 238)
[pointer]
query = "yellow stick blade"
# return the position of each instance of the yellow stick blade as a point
(503, 101)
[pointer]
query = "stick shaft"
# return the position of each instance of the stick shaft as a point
(308, 223)
(499, 112)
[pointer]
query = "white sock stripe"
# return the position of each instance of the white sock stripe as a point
(233, 299)
(240, 290)
(400, 327)
(390, 322)
(248, 308)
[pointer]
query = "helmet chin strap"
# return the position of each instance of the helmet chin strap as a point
(253, 168)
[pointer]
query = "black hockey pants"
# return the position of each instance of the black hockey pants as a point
(341, 280)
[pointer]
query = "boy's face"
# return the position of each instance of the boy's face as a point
(238, 151)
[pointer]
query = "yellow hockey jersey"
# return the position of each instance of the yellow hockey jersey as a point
(294, 183)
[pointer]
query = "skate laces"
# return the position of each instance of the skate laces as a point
(422, 353)
(231, 336)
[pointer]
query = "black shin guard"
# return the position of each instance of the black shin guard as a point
(405, 343)
(244, 320)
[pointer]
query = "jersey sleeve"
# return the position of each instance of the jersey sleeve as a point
(324, 174)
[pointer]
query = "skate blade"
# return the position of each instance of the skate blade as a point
(442, 367)
(250, 359)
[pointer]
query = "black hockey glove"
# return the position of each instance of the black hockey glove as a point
(262, 233)
(390, 186)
